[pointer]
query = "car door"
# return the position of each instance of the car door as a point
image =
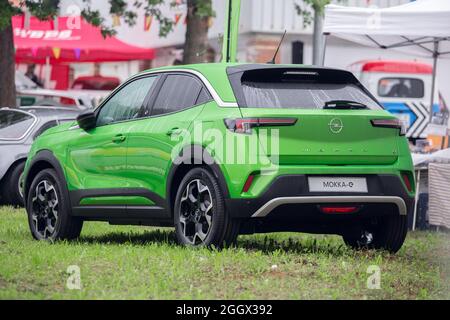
(97, 170)
(178, 101)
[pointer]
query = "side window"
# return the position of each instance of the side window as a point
(127, 103)
(177, 93)
(203, 97)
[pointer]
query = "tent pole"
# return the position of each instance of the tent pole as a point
(324, 48)
(47, 73)
(433, 79)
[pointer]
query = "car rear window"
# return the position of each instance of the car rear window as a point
(401, 88)
(297, 89)
(14, 124)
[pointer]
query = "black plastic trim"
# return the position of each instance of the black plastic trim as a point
(158, 211)
(46, 156)
(200, 156)
(297, 186)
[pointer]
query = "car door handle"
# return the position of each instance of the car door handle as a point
(173, 131)
(119, 138)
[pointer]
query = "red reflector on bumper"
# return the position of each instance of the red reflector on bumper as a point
(339, 209)
(407, 182)
(248, 183)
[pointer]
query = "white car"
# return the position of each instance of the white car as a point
(54, 98)
(29, 94)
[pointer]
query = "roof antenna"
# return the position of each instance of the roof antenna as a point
(276, 52)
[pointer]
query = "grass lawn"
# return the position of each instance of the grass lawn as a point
(121, 262)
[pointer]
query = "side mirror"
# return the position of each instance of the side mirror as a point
(87, 120)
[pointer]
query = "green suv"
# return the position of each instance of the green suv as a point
(218, 150)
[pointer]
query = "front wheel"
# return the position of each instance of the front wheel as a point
(200, 216)
(48, 209)
(386, 233)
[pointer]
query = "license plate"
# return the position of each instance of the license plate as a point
(336, 184)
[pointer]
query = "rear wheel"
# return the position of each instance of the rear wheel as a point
(12, 189)
(387, 233)
(48, 209)
(200, 216)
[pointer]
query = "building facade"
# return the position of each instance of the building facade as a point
(262, 24)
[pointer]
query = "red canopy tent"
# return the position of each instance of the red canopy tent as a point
(69, 40)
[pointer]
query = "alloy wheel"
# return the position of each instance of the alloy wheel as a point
(196, 212)
(45, 209)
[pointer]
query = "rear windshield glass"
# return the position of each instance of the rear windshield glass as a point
(297, 88)
(14, 124)
(302, 95)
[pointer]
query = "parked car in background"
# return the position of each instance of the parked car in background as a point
(54, 98)
(404, 89)
(96, 83)
(30, 94)
(18, 129)
(97, 87)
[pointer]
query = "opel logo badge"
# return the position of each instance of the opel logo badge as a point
(336, 125)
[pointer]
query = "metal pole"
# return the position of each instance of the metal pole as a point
(47, 73)
(416, 199)
(317, 37)
(324, 48)
(433, 80)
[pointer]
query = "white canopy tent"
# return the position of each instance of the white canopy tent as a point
(420, 28)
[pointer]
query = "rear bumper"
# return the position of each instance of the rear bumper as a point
(288, 197)
(276, 202)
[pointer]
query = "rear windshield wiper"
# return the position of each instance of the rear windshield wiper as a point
(344, 104)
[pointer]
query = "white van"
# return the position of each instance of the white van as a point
(404, 88)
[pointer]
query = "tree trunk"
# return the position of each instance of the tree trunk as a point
(7, 68)
(196, 43)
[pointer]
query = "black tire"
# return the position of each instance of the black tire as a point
(11, 188)
(222, 230)
(49, 219)
(385, 233)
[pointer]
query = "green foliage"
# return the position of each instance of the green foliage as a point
(43, 9)
(94, 18)
(203, 8)
(6, 12)
(48, 9)
(308, 7)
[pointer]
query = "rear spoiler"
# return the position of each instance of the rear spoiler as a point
(272, 73)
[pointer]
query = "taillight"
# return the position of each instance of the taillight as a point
(390, 123)
(245, 125)
(406, 176)
(67, 101)
(339, 209)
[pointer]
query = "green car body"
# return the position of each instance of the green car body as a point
(130, 171)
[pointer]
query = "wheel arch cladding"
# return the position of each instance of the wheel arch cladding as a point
(44, 159)
(189, 158)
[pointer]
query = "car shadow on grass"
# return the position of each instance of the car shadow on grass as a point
(148, 237)
(269, 245)
(264, 244)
